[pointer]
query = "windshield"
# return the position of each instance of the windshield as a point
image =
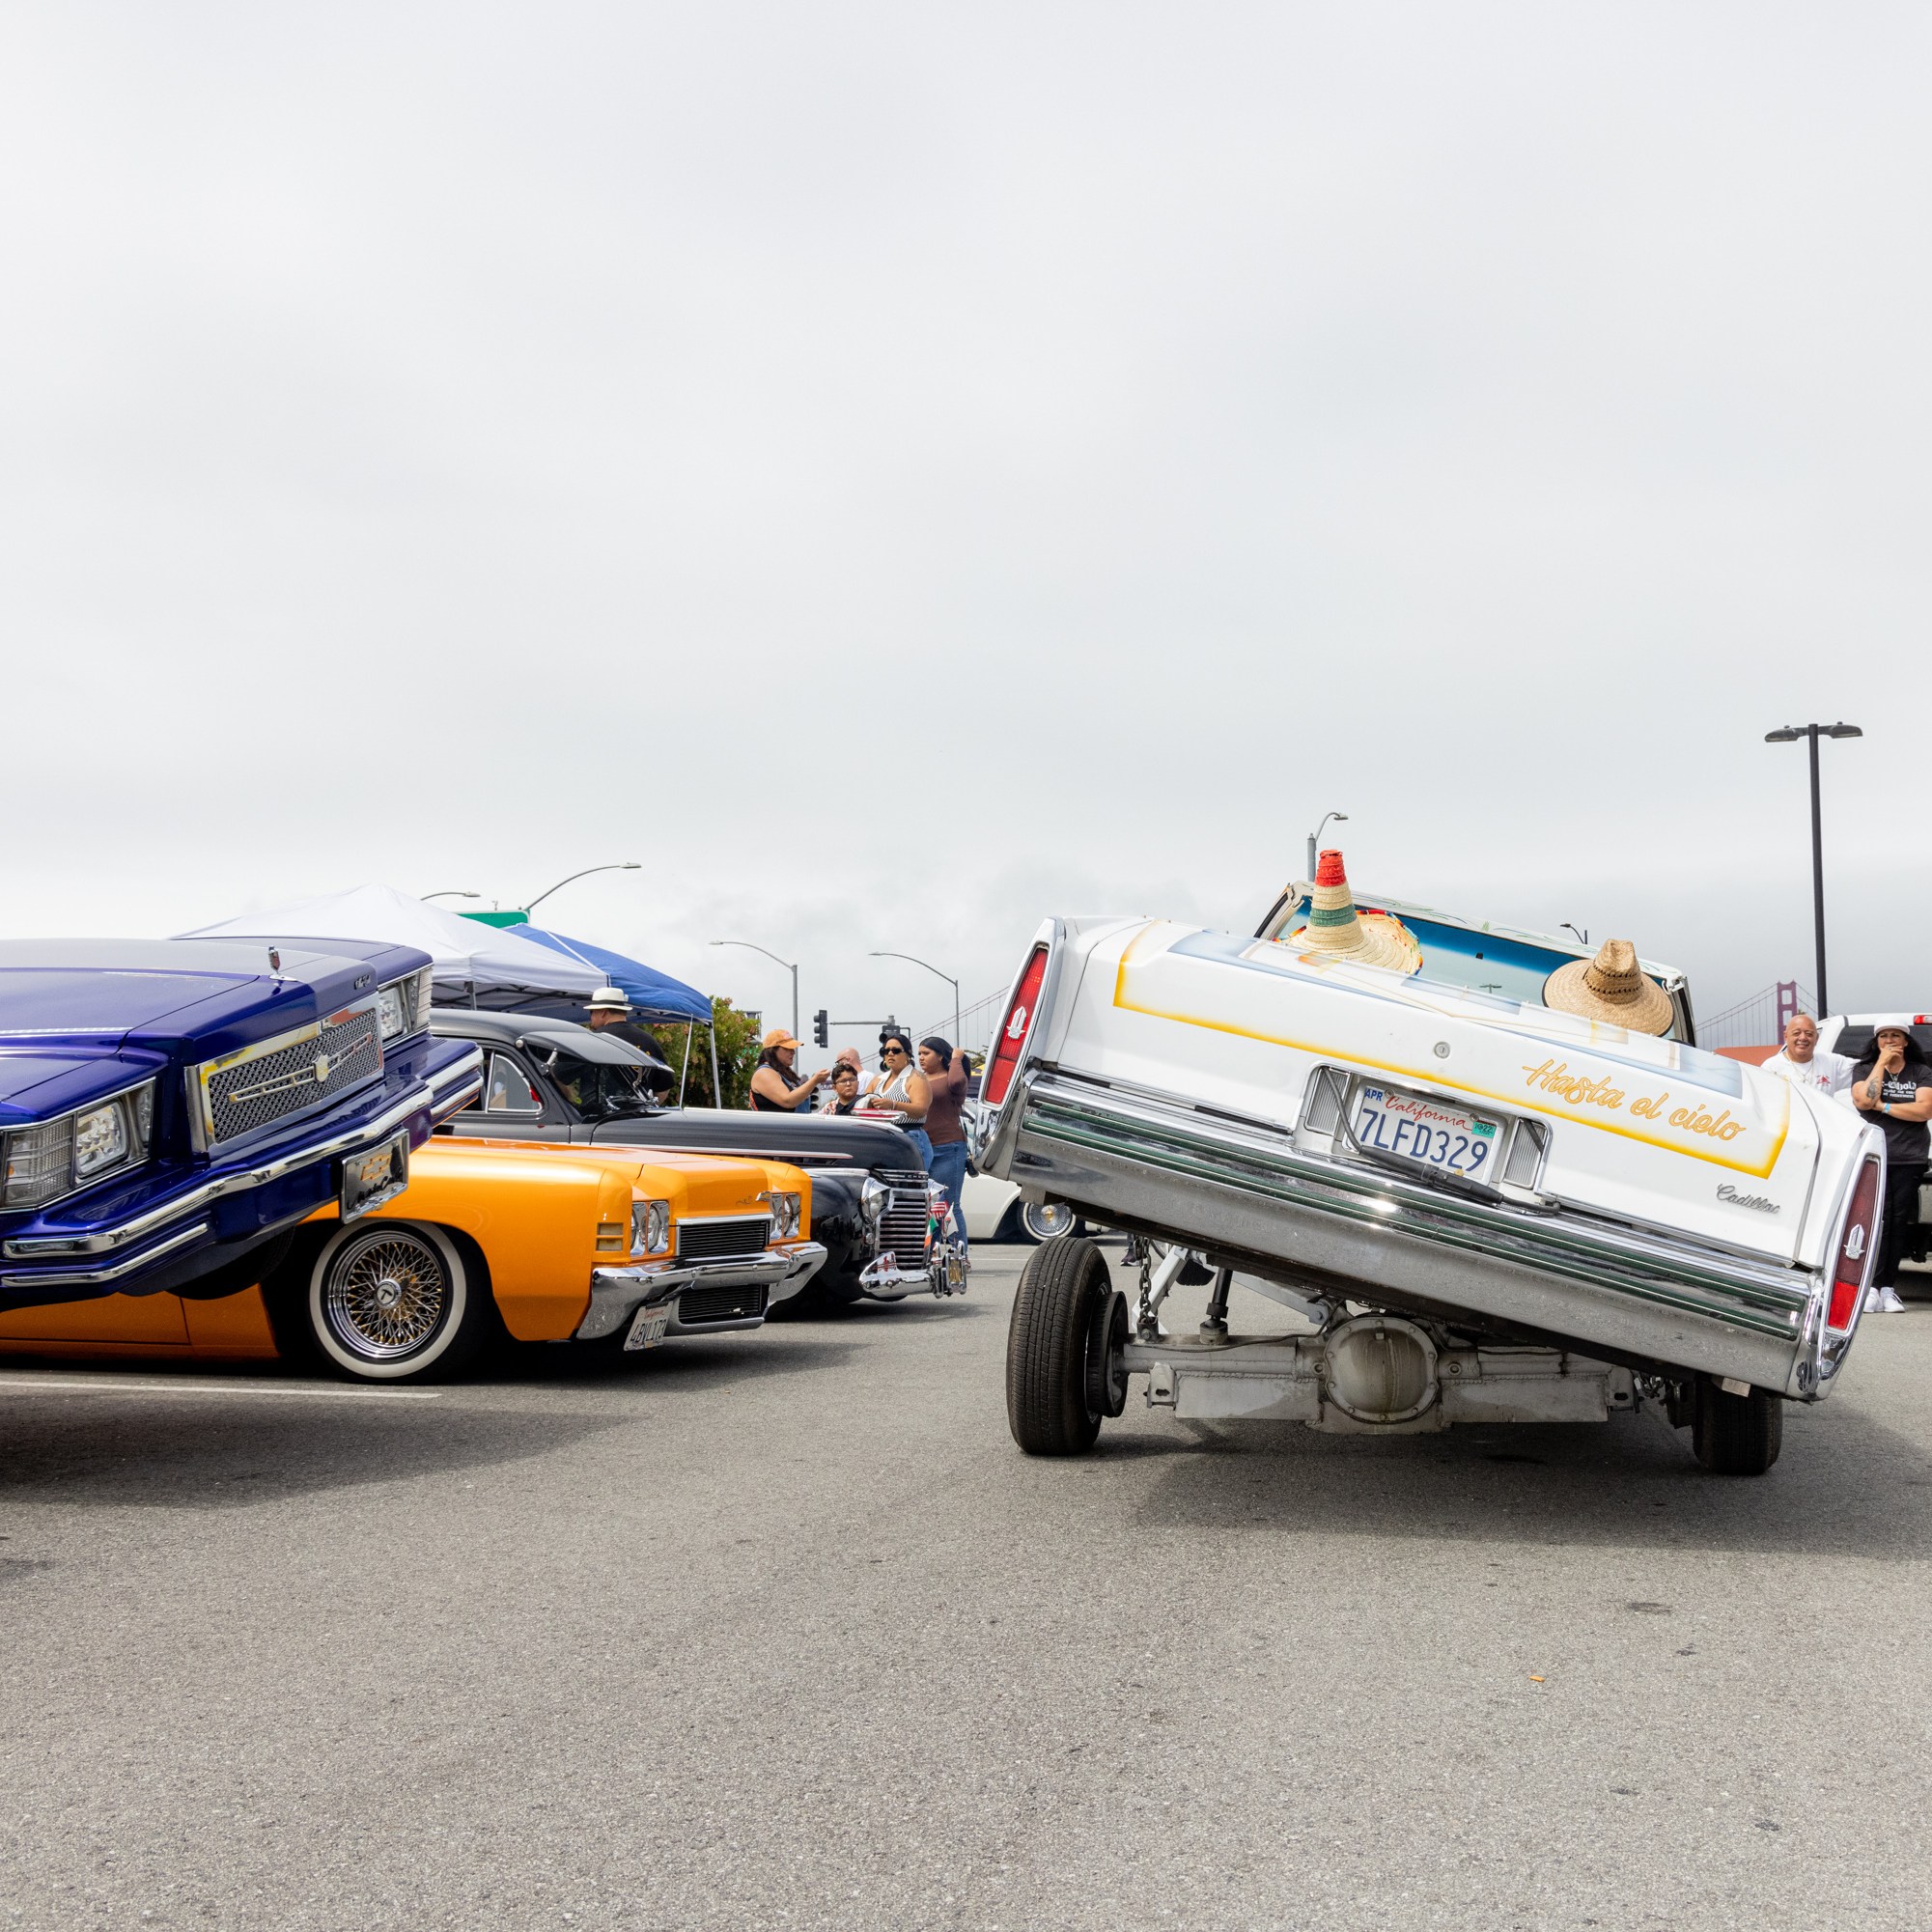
(598, 1091)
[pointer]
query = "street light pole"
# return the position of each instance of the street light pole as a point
(628, 865)
(776, 961)
(1315, 839)
(428, 896)
(946, 976)
(1811, 734)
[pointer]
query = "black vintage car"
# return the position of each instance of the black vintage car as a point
(553, 1079)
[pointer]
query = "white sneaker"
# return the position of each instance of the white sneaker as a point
(1883, 1301)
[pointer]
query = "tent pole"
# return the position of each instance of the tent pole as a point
(684, 1072)
(716, 1084)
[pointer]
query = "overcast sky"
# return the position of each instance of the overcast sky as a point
(899, 473)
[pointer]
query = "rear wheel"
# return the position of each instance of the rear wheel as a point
(1039, 1221)
(395, 1301)
(1063, 1370)
(1737, 1434)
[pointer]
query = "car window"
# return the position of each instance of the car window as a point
(509, 1089)
(598, 1090)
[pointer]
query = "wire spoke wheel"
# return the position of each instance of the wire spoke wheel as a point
(387, 1296)
(394, 1300)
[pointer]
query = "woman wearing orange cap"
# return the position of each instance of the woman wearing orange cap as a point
(775, 1088)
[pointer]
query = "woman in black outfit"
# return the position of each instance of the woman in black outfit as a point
(775, 1088)
(1893, 1088)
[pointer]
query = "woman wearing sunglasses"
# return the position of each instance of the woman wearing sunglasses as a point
(900, 1085)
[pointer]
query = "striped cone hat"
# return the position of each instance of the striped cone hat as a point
(1337, 931)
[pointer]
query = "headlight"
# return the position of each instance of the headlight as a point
(403, 1005)
(99, 1139)
(650, 1226)
(786, 1208)
(873, 1198)
(42, 1162)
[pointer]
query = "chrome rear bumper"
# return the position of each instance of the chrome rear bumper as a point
(1241, 1189)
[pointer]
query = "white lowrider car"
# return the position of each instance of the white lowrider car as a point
(1485, 1209)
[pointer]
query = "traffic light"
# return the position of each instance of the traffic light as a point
(822, 1028)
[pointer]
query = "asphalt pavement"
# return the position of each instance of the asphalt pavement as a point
(781, 1630)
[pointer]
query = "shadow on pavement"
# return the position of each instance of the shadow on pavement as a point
(1844, 1485)
(913, 1308)
(683, 1362)
(97, 1451)
(190, 1450)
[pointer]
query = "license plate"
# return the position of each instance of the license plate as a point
(647, 1330)
(368, 1180)
(1431, 1134)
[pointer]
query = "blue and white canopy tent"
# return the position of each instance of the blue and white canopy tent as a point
(653, 994)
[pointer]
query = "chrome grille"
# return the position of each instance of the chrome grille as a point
(289, 1074)
(720, 1304)
(713, 1241)
(904, 1223)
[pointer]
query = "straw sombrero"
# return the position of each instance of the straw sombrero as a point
(1612, 989)
(1337, 931)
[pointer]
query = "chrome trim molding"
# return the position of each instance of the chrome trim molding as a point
(85, 1277)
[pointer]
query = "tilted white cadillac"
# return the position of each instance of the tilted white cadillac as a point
(1487, 1210)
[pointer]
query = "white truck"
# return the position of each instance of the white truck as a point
(1482, 1209)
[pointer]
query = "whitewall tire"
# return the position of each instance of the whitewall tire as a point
(392, 1301)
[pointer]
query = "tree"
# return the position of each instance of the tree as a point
(737, 1054)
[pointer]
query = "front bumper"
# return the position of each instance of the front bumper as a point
(940, 1270)
(616, 1294)
(214, 1219)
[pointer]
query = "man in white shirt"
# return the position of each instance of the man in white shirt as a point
(1802, 1064)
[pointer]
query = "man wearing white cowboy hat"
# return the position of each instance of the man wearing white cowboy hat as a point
(608, 1010)
(607, 1006)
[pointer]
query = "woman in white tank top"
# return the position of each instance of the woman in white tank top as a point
(902, 1085)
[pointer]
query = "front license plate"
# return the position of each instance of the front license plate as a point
(368, 1180)
(1431, 1134)
(647, 1330)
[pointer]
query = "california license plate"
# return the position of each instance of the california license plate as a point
(647, 1330)
(368, 1180)
(1432, 1133)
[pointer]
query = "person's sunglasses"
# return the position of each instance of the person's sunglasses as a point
(893, 1052)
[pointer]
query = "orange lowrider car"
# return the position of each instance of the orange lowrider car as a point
(618, 1245)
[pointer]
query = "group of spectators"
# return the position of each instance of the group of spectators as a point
(1893, 1086)
(923, 1091)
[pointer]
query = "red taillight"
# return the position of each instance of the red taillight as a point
(1856, 1244)
(1013, 1031)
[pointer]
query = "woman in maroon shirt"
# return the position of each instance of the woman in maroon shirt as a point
(945, 1073)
